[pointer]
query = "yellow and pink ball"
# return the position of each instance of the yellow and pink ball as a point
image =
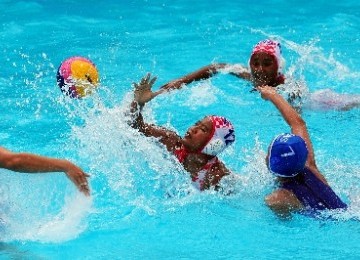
(77, 77)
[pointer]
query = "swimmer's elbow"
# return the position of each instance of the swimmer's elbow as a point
(278, 207)
(272, 203)
(301, 122)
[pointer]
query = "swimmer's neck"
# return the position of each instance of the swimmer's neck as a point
(194, 162)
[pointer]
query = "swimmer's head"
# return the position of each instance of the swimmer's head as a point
(221, 136)
(268, 54)
(287, 155)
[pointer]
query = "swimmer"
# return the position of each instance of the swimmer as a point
(266, 66)
(326, 99)
(31, 163)
(197, 151)
(291, 158)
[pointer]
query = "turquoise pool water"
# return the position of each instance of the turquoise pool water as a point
(143, 204)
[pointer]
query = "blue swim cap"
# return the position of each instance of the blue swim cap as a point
(287, 155)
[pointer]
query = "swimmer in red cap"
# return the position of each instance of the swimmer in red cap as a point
(266, 68)
(266, 65)
(197, 151)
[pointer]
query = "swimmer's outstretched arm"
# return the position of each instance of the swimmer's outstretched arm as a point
(294, 120)
(201, 74)
(31, 163)
(142, 95)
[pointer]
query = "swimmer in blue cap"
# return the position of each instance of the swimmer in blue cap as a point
(291, 158)
(197, 151)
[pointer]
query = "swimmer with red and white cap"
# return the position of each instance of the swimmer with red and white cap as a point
(266, 68)
(197, 151)
(266, 65)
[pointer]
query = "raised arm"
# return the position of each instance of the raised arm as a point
(292, 118)
(142, 95)
(31, 163)
(205, 73)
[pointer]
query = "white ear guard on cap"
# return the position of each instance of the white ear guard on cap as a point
(214, 146)
(223, 136)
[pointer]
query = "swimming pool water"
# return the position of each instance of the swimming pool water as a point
(142, 203)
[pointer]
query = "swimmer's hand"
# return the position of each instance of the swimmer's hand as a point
(142, 92)
(77, 176)
(266, 91)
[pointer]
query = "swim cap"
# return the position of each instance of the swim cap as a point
(223, 135)
(272, 48)
(287, 155)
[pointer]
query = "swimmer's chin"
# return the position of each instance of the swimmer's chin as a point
(186, 141)
(186, 136)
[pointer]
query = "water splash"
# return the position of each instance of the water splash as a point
(38, 213)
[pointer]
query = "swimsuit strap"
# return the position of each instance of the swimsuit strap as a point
(181, 153)
(199, 178)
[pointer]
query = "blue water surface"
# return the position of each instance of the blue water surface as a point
(143, 204)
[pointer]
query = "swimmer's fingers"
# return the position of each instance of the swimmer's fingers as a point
(79, 178)
(145, 79)
(139, 86)
(152, 81)
(266, 91)
(135, 85)
(143, 93)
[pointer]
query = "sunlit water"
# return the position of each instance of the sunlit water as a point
(143, 204)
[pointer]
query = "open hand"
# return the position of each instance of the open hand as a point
(143, 93)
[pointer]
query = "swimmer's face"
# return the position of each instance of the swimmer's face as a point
(198, 135)
(263, 69)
